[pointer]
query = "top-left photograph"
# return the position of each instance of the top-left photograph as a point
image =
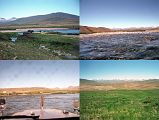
(39, 29)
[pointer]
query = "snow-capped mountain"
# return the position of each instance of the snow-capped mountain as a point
(12, 19)
(3, 20)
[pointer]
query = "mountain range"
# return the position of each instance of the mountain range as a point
(118, 84)
(58, 18)
(90, 30)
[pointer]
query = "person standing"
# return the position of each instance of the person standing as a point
(41, 102)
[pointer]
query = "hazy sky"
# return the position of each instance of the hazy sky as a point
(48, 74)
(119, 13)
(25, 8)
(119, 69)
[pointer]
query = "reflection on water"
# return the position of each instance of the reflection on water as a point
(55, 101)
(60, 30)
(67, 31)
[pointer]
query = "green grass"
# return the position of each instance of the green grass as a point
(119, 105)
(28, 47)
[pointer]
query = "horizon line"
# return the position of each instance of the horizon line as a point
(122, 79)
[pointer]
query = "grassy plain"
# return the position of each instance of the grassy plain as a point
(119, 105)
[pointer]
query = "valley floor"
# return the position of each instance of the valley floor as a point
(120, 105)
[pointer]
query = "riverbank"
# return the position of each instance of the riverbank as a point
(38, 46)
(35, 29)
(117, 33)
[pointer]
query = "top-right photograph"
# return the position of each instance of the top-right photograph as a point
(119, 29)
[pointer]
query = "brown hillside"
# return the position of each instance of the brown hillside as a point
(123, 85)
(89, 30)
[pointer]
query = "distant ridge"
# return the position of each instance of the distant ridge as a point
(37, 90)
(118, 84)
(89, 30)
(58, 18)
(85, 81)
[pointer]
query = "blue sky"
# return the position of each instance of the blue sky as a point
(119, 69)
(50, 74)
(25, 8)
(119, 13)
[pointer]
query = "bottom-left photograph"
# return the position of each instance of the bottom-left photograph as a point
(31, 89)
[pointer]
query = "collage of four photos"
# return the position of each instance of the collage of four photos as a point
(79, 59)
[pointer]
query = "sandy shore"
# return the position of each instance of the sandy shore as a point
(115, 33)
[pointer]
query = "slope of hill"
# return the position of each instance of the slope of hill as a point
(155, 81)
(89, 30)
(58, 18)
(107, 85)
(85, 81)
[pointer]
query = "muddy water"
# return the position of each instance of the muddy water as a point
(138, 45)
(55, 101)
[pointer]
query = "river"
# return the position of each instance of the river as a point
(124, 45)
(60, 30)
(53, 101)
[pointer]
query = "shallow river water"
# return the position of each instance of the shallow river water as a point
(53, 101)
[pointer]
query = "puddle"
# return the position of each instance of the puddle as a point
(13, 39)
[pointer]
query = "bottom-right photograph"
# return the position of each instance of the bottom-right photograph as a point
(119, 90)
